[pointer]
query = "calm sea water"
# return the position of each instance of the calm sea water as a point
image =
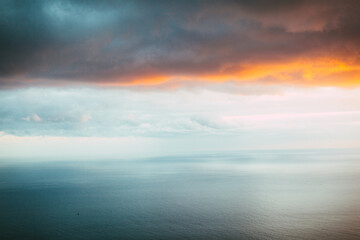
(252, 195)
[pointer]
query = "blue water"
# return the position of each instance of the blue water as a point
(251, 195)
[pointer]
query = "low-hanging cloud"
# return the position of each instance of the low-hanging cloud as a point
(177, 42)
(92, 112)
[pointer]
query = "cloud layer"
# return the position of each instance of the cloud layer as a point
(89, 112)
(175, 43)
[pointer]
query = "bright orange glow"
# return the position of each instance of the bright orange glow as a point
(305, 72)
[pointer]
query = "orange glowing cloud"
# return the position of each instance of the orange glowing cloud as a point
(302, 72)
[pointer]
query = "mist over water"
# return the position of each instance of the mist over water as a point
(248, 195)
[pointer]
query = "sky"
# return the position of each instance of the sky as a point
(117, 79)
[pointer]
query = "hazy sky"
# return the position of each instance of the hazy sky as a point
(141, 78)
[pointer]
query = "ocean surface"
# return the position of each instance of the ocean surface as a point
(246, 195)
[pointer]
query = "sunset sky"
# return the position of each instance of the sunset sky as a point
(147, 78)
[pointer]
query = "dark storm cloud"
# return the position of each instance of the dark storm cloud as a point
(52, 42)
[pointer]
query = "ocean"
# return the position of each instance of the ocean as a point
(243, 195)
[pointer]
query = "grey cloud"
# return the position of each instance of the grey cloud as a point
(56, 42)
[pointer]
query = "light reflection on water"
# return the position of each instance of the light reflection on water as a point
(254, 195)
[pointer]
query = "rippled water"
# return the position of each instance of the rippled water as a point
(251, 195)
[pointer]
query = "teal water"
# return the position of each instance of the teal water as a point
(252, 195)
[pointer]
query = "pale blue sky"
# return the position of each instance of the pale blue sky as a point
(116, 122)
